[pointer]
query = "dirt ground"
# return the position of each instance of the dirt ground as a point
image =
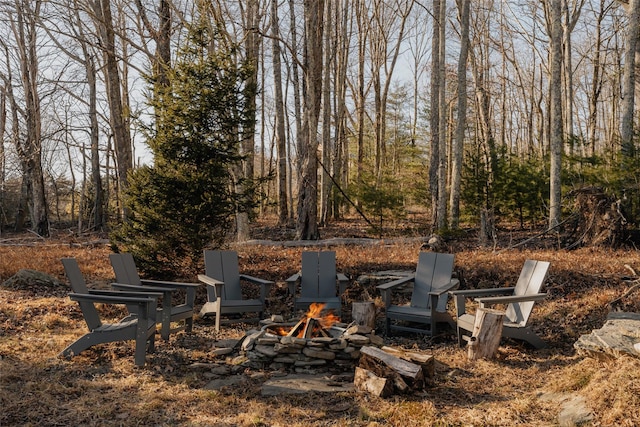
(522, 386)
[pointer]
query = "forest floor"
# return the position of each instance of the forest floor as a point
(521, 386)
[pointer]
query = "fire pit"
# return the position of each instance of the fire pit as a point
(316, 343)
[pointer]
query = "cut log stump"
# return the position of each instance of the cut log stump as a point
(364, 313)
(487, 331)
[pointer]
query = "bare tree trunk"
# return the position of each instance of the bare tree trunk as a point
(556, 136)
(3, 156)
(360, 10)
(121, 135)
(434, 114)
(442, 140)
(340, 163)
(297, 90)
(307, 223)
(99, 222)
(161, 60)
(280, 135)
(29, 147)
(596, 83)
(458, 145)
(252, 47)
(327, 146)
(570, 20)
(629, 80)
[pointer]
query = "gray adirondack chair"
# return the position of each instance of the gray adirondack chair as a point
(317, 281)
(431, 283)
(128, 279)
(224, 287)
(139, 325)
(519, 301)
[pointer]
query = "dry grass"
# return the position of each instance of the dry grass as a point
(102, 386)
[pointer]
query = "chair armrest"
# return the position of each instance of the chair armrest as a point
(291, 284)
(460, 296)
(472, 293)
(118, 293)
(112, 298)
(265, 285)
(162, 283)
(453, 284)
(343, 281)
(509, 299)
(294, 278)
(214, 283)
(386, 288)
(144, 307)
(210, 281)
(140, 289)
(256, 280)
(396, 282)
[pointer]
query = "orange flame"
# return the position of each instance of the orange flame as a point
(314, 312)
(327, 321)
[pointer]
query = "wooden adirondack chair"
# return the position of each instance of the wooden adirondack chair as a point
(139, 325)
(519, 301)
(127, 279)
(224, 287)
(317, 280)
(431, 283)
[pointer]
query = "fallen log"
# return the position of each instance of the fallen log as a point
(405, 376)
(369, 382)
(426, 361)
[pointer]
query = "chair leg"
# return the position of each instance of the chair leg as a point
(141, 342)
(217, 321)
(460, 334)
(166, 319)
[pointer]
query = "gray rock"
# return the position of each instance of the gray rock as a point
(221, 383)
(357, 340)
(617, 337)
(319, 354)
(574, 412)
(27, 279)
(296, 384)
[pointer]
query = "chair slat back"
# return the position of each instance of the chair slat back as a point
(530, 282)
(223, 266)
(433, 274)
(318, 274)
(327, 274)
(309, 275)
(124, 267)
(79, 286)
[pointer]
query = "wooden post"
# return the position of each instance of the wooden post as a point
(487, 331)
(364, 313)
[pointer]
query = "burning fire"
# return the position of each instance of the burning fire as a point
(312, 323)
(326, 321)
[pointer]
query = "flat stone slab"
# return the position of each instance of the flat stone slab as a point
(619, 336)
(298, 384)
(573, 408)
(220, 383)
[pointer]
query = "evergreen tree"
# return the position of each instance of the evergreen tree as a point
(185, 201)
